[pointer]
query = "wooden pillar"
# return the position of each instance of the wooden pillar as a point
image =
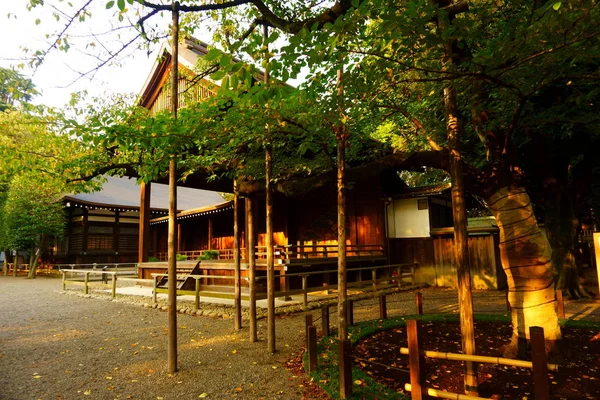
(560, 304)
(210, 230)
(237, 300)
(251, 248)
(144, 222)
(172, 241)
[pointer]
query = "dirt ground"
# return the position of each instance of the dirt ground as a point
(59, 346)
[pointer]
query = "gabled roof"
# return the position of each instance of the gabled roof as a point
(124, 192)
(197, 212)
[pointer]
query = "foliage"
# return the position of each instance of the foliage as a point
(153, 259)
(15, 89)
(209, 255)
(181, 257)
(31, 210)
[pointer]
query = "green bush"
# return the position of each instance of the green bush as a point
(209, 255)
(153, 259)
(181, 257)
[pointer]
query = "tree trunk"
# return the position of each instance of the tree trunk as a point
(36, 258)
(6, 261)
(526, 258)
(561, 227)
(15, 263)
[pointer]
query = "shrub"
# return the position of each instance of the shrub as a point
(181, 257)
(209, 255)
(153, 259)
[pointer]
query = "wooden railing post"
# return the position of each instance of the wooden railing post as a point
(399, 278)
(415, 360)
(304, 289)
(85, 282)
(419, 301)
(64, 280)
(325, 319)
(311, 348)
(197, 293)
(560, 304)
(382, 307)
(412, 273)
(345, 362)
(114, 285)
(350, 316)
(541, 383)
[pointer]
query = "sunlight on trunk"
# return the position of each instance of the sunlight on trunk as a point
(526, 259)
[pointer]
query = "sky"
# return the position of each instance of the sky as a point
(55, 77)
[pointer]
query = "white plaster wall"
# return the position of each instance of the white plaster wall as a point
(407, 221)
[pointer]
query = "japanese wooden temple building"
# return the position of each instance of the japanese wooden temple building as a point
(103, 226)
(386, 221)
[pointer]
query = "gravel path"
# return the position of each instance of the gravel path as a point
(60, 346)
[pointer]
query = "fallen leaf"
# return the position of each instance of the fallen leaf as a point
(87, 392)
(203, 395)
(238, 389)
(234, 351)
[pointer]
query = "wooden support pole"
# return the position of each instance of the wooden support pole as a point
(560, 304)
(311, 348)
(382, 307)
(64, 280)
(341, 141)
(350, 316)
(251, 245)
(419, 303)
(399, 276)
(269, 222)
(345, 362)
(197, 293)
(325, 319)
(415, 360)
(114, 286)
(172, 241)
(541, 383)
(237, 260)
(86, 279)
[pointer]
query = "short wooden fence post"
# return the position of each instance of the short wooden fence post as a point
(308, 321)
(304, 290)
(412, 273)
(415, 360)
(197, 293)
(325, 319)
(374, 279)
(85, 282)
(345, 362)
(419, 300)
(114, 285)
(382, 307)
(64, 280)
(541, 383)
(154, 286)
(311, 347)
(560, 304)
(350, 316)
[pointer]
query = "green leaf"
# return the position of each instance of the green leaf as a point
(121, 4)
(556, 5)
(110, 4)
(212, 55)
(217, 75)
